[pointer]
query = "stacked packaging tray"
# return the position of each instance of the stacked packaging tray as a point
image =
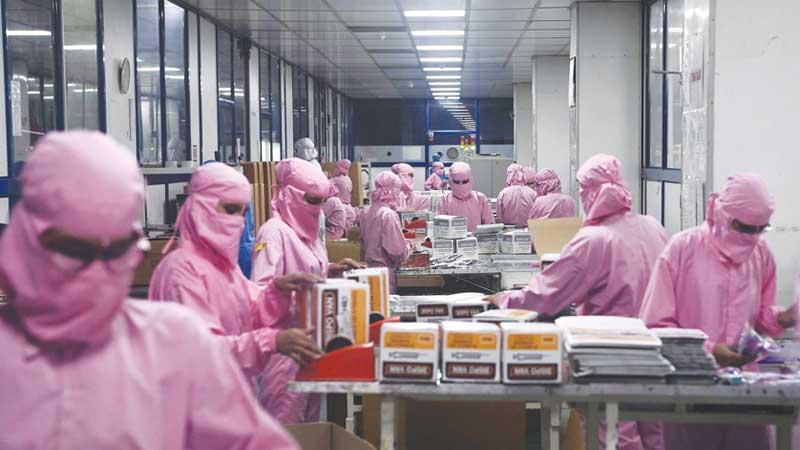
(685, 349)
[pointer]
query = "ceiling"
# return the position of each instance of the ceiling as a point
(365, 48)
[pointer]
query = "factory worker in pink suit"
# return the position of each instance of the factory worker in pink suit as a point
(381, 231)
(551, 203)
(530, 177)
(436, 181)
(289, 243)
(409, 201)
(515, 201)
(203, 274)
(335, 216)
(84, 367)
(465, 202)
(718, 277)
(344, 185)
(604, 269)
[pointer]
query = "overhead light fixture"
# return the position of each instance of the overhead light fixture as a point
(80, 47)
(442, 59)
(156, 69)
(445, 83)
(34, 93)
(435, 13)
(440, 48)
(433, 33)
(445, 89)
(441, 69)
(28, 33)
(443, 77)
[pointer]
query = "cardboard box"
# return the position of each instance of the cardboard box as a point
(532, 353)
(551, 235)
(470, 352)
(449, 227)
(378, 280)
(433, 310)
(409, 352)
(337, 311)
(488, 244)
(442, 248)
(468, 247)
(151, 259)
(326, 436)
(517, 242)
(467, 309)
(506, 315)
(339, 250)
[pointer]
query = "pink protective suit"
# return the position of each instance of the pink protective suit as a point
(409, 201)
(436, 182)
(287, 244)
(716, 279)
(465, 202)
(515, 201)
(85, 368)
(381, 231)
(335, 217)
(530, 176)
(202, 273)
(342, 182)
(551, 203)
(604, 269)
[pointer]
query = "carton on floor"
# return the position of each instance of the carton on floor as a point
(326, 436)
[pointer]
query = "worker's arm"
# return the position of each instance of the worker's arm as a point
(565, 281)
(772, 320)
(268, 266)
(394, 244)
(486, 212)
(659, 307)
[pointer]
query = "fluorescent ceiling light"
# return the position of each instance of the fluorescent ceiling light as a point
(443, 77)
(174, 77)
(441, 69)
(48, 97)
(441, 59)
(444, 83)
(79, 47)
(439, 48)
(156, 69)
(445, 89)
(34, 92)
(430, 33)
(435, 13)
(28, 33)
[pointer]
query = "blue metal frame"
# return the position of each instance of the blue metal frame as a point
(136, 84)
(59, 82)
(162, 81)
(101, 68)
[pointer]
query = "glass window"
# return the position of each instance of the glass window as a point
(653, 196)
(324, 126)
(497, 121)
(672, 207)
(389, 122)
(275, 106)
(225, 98)
(265, 114)
(335, 123)
(674, 62)
(655, 92)
(32, 74)
(300, 105)
(80, 64)
(148, 70)
(175, 81)
(453, 115)
(240, 73)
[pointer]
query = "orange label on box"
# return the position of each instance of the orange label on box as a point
(533, 342)
(358, 303)
(478, 341)
(421, 341)
(375, 293)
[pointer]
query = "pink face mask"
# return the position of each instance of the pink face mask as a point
(407, 183)
(734, 245)
(302, 216)
(295, 179)
(438, 170)
(461, 191)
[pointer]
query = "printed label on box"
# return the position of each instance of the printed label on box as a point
(475, 371)
(532, 371)
(439, 310)
(467, 311)
(329, 312)
(472, 341)
(422, 341)
(407, 370)
(533, 342)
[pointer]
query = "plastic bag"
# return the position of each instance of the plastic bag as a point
(753, 344)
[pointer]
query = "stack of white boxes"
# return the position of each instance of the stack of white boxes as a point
(517, 242)
(450, 236)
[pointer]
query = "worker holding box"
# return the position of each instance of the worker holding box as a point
(515, 201)
(287, 244)
(551, 203)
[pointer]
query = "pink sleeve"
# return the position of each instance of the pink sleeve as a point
(223, 412)
(335, 222)
(395, 245)
(565, 281)
(486, 213)
(430, 183)
(767, 321)
(499, 207)
(659, 307)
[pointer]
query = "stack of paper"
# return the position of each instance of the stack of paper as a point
(612, 349)
(685, 349)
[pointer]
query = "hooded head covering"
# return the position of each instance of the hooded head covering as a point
(342, 168)
(296, 178)
(515, 176)
(547, 182)
(438, 168)
(461, 171)
(406, 174)
(305, 150)
(603, 193)
(387, 190)
(60, 300)
(214, 234)
(530, 176)
(745, 198)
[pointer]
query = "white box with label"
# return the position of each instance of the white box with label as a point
(449, 227)
(516, 242)
(532, 353)
(468, 247)
(409, 352)
(470, 352)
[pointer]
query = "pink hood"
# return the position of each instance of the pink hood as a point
(406, 174)
(530, 176)
(547, 182)
(387, 190)
(58, 300)
(515, 176)
(296, 178)
(745, 197)
(342, 168)
(438, 168)
(461, 171)
(603, 192)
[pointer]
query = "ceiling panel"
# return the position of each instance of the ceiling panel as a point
(480, 34)
(378, 44)
(304, 16)
(493, 15)
(532, 34)
(551, 14)
(491, 42)
(447, 24)
(432, 4)
(502, 4)
(550, 24)
(498, 25)
(395, 60)
(363, 5)
(555, 3)
(403, 73)
(307, 5)
(370, 16)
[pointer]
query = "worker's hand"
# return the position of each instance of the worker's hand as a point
(296, 281)
(788, 318)
(495, 299)
(351, 264)
(726, 357)
(296, 344)
(335, 270)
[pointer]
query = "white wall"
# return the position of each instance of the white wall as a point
(524, 148)
(255, 126)
(120, 108)
(194, 88)
(756, 113)
(551, 115)
(208, 88)
(608, 54)
(288, 104)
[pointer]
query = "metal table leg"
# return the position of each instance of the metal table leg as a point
(550, 419)
(612, 418)
(785, 436)
(593, 426)
(350, 420)
(388, 423)
(323, 408)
